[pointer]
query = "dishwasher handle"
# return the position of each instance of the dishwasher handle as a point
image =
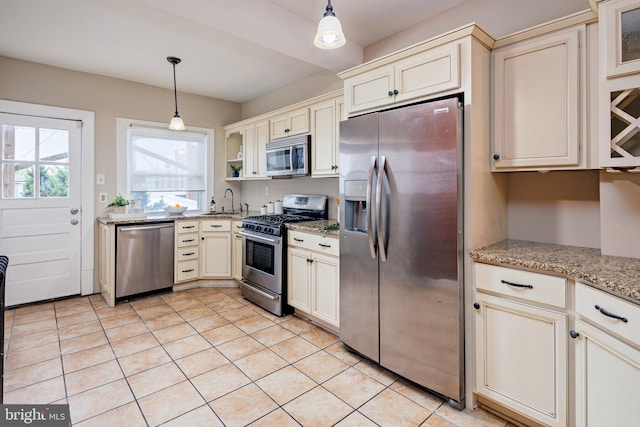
(144, 227)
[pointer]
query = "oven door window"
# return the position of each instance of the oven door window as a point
(279, 160)
(260, 256)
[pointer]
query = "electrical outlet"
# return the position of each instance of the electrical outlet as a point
(266, 190)
(103, 198)
(100, 179)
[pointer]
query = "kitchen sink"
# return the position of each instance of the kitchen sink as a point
(219, 213)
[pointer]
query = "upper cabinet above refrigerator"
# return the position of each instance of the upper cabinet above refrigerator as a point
(540, 86)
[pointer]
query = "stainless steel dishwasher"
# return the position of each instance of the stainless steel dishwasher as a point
(144, 258)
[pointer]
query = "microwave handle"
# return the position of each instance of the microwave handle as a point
(291, 149)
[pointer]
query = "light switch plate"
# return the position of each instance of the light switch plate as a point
(100, 179)
(103, 198)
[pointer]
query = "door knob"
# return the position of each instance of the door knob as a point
(74, 221)
(74, 211)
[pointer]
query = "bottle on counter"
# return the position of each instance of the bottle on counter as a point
(212, 205)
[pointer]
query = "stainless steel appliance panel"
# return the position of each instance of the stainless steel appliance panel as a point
(401, 239)
(359, 327)
(144, 258)
(420, 291)
(262, 263)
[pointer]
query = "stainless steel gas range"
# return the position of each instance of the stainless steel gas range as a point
(264, 247)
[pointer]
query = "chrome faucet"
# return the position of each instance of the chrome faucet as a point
(225, 196)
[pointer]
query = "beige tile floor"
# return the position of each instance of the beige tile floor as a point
(203, 357)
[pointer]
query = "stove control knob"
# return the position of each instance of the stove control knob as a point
(258, 228)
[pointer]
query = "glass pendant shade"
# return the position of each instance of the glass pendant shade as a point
(329, 35)
(176, 123)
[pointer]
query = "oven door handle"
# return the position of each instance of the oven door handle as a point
(260, 238)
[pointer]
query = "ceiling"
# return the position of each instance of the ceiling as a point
(235, 50)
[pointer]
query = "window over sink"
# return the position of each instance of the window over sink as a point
(163, 167)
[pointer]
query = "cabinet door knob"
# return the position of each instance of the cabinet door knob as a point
(476, 306)
(496, 157)
(395, 91)
(573, 334)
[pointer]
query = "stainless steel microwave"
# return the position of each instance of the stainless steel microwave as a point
(289, 156)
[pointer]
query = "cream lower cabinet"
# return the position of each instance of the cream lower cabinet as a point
(237, 249)
(215, 249)
(187, 253)
(607, 351)
(314, 276)
(521, 343)
(106, 262)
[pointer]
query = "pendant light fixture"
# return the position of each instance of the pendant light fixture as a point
(176, 121)
(329, 35)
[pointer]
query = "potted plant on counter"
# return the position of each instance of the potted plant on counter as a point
(118, 204)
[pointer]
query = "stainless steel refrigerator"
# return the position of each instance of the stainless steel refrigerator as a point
(401, 289)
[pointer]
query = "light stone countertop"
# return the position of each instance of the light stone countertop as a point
(317, 227)
(166, 217)
(619, 276)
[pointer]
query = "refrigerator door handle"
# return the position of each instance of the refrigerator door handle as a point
(382, 170)
(370, 230)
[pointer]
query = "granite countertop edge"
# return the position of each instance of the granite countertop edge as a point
(619, 276)
(169, 218)
(316, 227)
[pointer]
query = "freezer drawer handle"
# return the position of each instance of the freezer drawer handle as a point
(324, 245)
(610, 314)
(516, 285)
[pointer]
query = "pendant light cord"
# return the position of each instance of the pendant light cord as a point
(175, 89)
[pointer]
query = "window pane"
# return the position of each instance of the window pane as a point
(54, 181)
(156, 201)
(54, 145)
(18, 143)
(160, 160)
(17, 180)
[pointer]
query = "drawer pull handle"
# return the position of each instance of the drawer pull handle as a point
(188, 240)
(516, 285)
(609, 314)
(189, 254)
(215, 225)
(324, 245)
(298, 240)
(188, 226)
(188, 271)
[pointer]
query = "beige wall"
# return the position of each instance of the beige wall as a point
(110, 98)
(557, 207)
(620, 211)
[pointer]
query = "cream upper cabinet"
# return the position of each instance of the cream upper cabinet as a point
(539, 98)
(607, 350)
(256, 137)
(420, 75)
(619, 111)
(521, 342)
(292, 123)
(215, 249)
(314, 276)
(325, 137)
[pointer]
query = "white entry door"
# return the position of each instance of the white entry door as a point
(40, 213)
